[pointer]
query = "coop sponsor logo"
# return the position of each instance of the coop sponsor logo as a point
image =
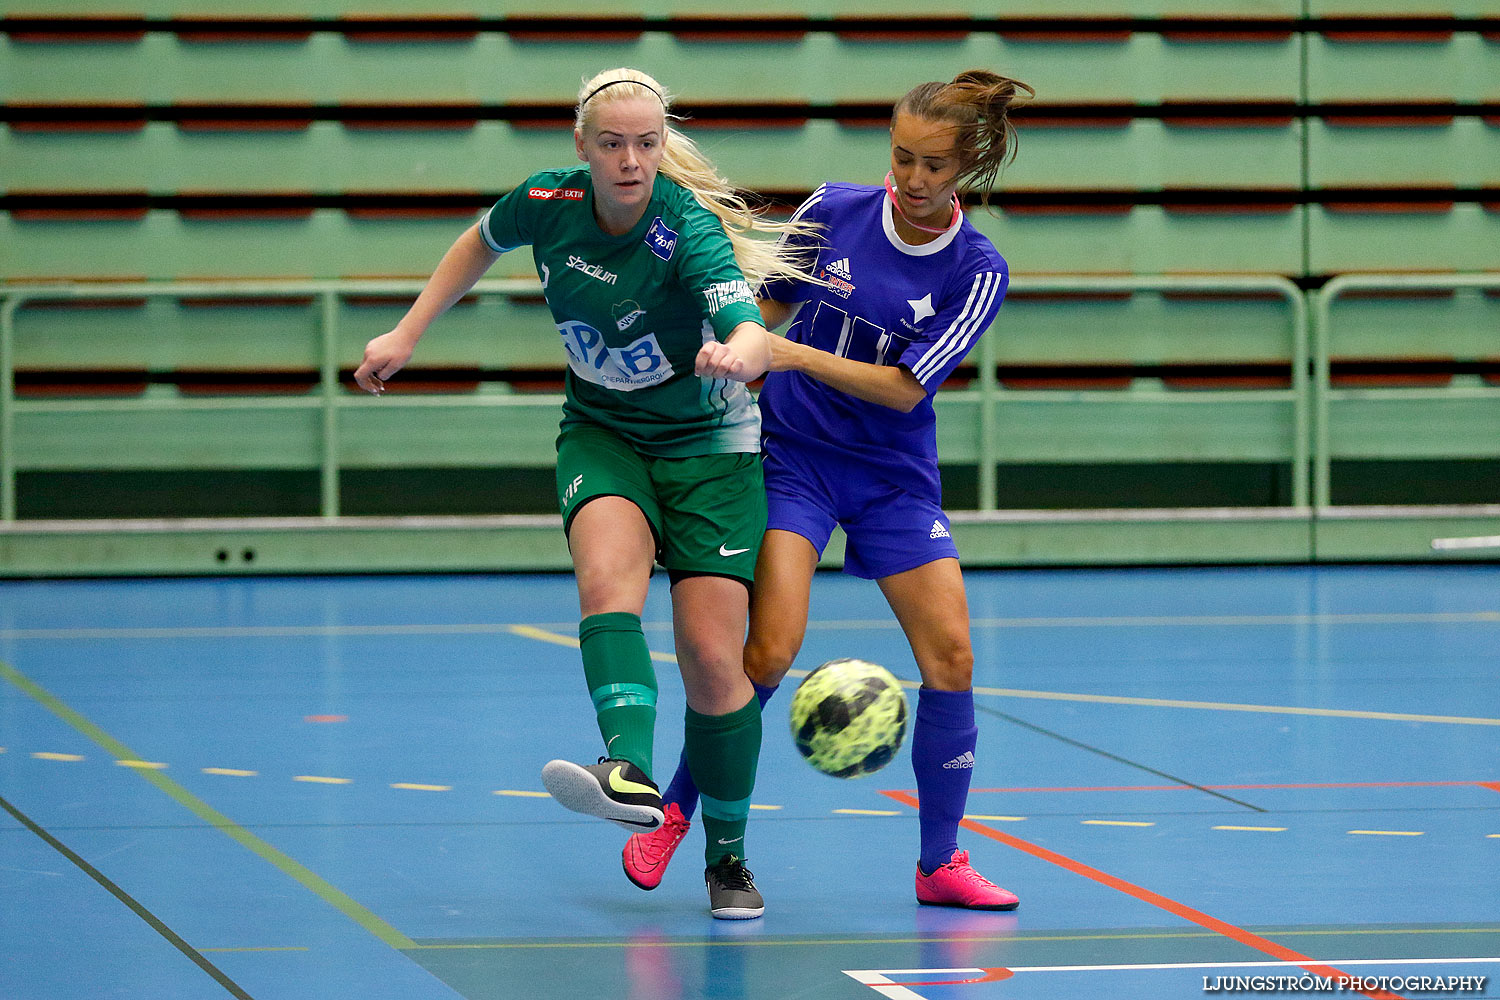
(550, 194)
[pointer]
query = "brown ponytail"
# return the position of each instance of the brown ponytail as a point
(977, 103)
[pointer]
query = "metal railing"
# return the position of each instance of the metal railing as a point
(1323, 392)
(330, 397)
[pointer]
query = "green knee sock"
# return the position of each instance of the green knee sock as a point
(722, 752)
(622, 682)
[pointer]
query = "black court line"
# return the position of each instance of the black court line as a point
(130, 901)
(1115, 757)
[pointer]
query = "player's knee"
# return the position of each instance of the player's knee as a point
(712, 674)
(597, 598)
(768, 660)
(950, 666)
(604, 589)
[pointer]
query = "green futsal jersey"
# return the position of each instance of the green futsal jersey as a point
(634, 311)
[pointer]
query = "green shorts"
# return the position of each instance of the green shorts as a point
(708, 512)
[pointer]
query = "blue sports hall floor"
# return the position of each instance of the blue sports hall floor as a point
(1199, 781)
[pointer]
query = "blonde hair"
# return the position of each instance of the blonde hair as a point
(760, 259)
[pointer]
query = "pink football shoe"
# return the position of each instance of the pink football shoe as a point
(646, 854)
(954, 884)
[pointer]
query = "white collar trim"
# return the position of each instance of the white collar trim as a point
(888, 218)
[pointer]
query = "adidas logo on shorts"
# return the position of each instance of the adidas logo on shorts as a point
(840, 268)
(938, 531)
(963, 760)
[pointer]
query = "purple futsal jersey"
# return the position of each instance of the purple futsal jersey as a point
(890, 303)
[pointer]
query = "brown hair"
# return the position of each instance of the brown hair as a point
(977, 104)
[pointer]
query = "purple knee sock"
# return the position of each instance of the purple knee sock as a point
(942, 755)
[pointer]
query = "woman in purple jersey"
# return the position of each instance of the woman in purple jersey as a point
(850, 439)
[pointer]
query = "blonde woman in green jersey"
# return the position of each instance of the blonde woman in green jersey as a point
(647, 259)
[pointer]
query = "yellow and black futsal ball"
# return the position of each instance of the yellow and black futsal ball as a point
(848, 718)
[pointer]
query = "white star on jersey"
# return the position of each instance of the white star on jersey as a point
(921, 308)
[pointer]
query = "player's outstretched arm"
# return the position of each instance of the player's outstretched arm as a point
(743, 355)
(895, 387)
(464, 264)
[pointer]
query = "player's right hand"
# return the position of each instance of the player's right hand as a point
(384, 356)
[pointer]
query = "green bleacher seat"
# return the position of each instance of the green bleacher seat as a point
(161, 244)
(1453, 66)
(1147, 239)
(333, 157)
(328, 68)
(1403, 237)
(1428, 151)
(1401, 8)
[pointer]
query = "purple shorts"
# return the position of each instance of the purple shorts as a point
(889, 529)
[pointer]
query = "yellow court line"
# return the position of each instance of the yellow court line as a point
(867, 812)
(1113, 822)
(1254, 829)
(558, 639)
(232, 772)
(1387, 833)
(421, 788)
(46, 755)
(522, 793)
(315, 883)
(288, 947)
(320, 780)
(142, 765)
(996, 819)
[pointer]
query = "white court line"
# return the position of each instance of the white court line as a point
(560, 638)
(831, 624)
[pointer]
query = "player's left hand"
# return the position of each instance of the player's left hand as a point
(718, 360)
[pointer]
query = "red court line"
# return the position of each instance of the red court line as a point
(1244, 937)
(1492, 785)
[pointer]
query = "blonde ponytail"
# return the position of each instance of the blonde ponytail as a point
(760, 257)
